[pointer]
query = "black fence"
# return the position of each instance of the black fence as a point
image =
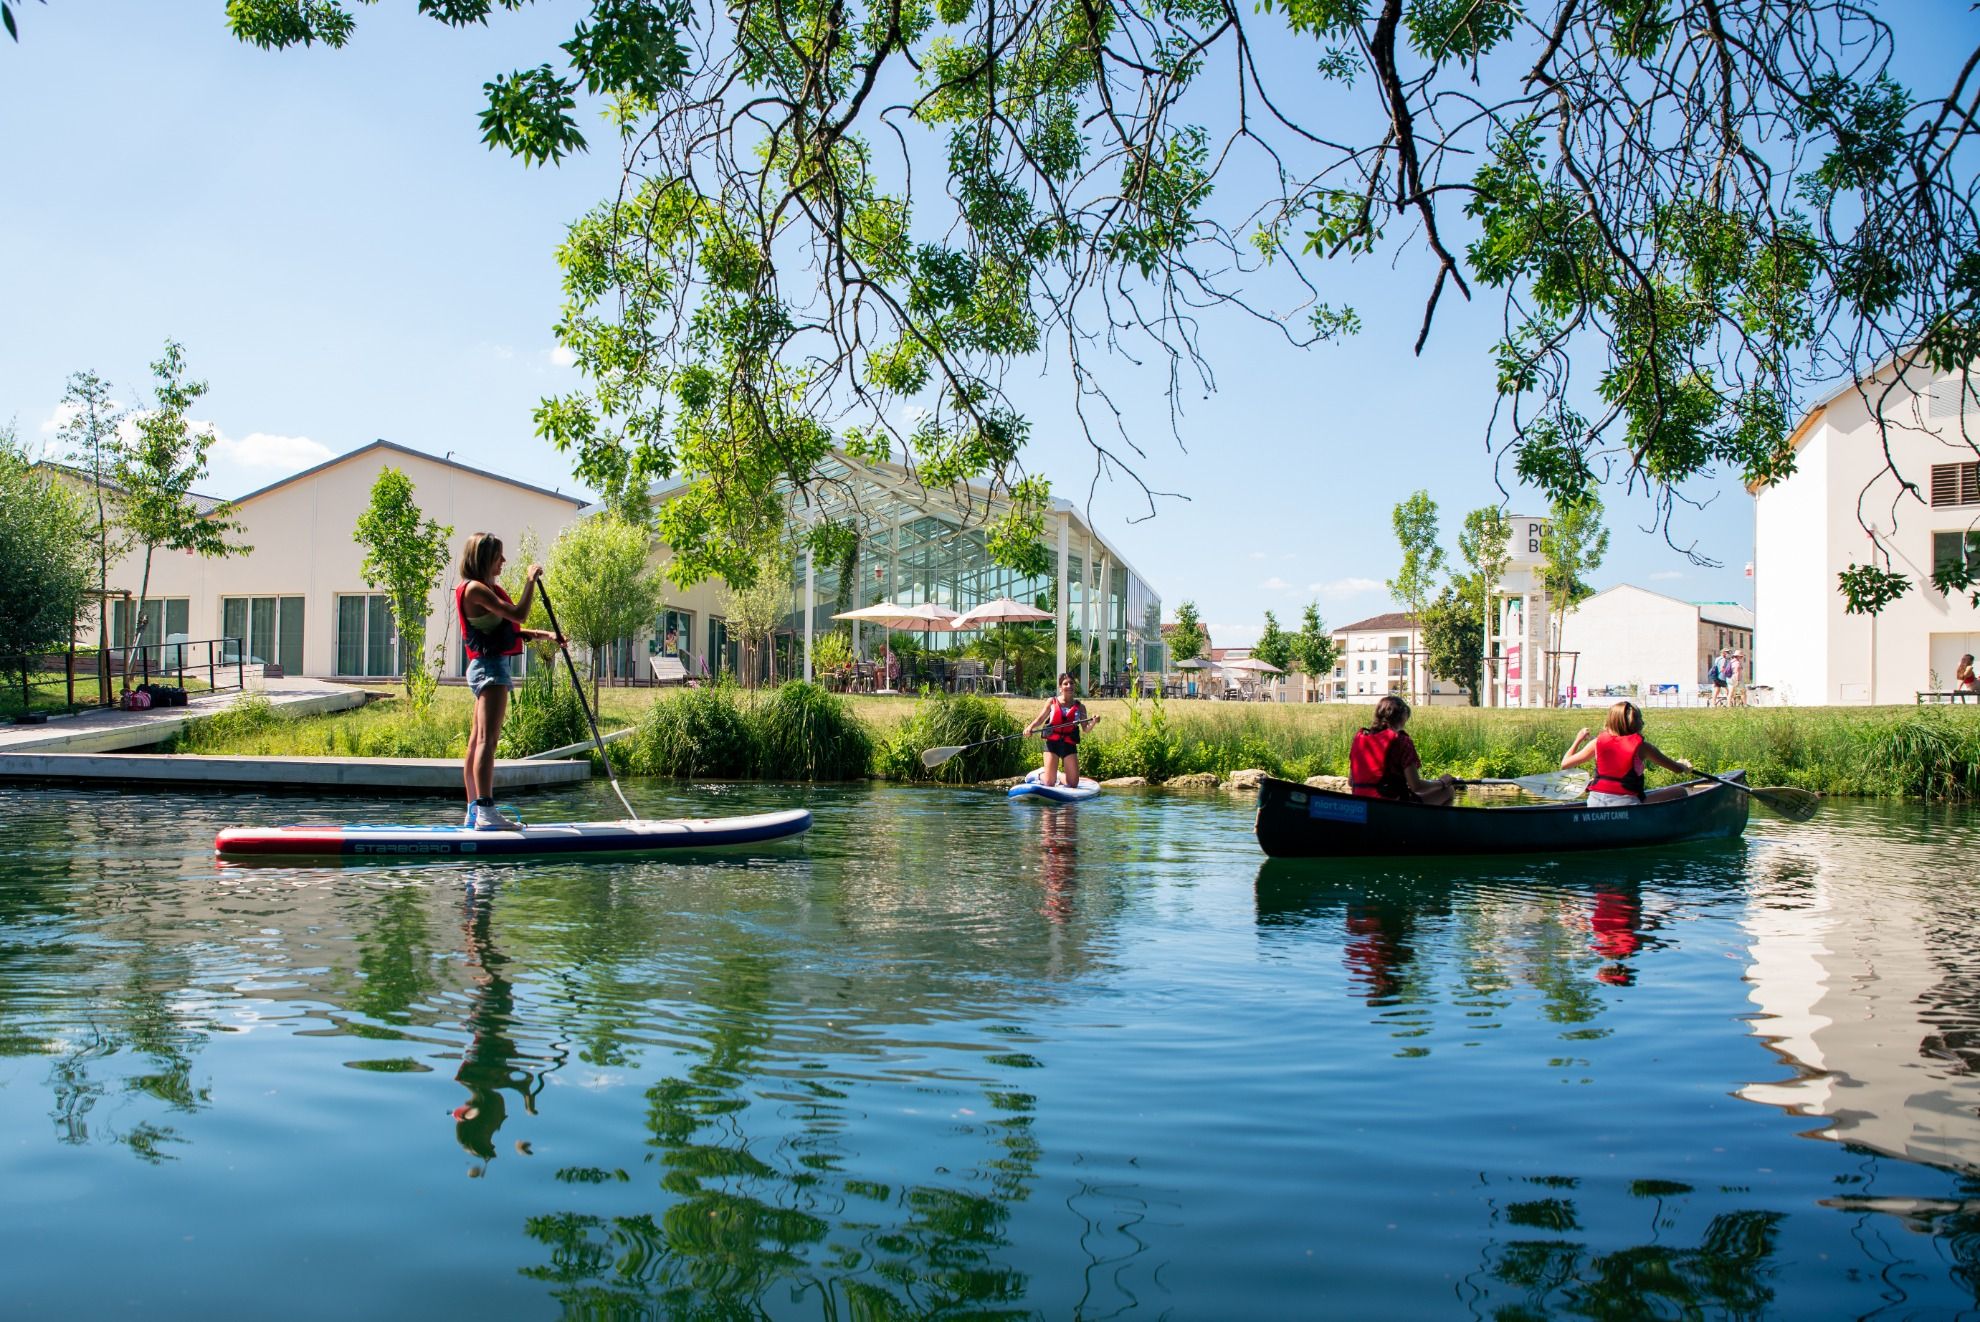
(93, 677)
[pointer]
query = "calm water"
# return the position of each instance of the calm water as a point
(952, 1055)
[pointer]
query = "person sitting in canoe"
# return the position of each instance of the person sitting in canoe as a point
(1382, 761)
(1062, 720)
(1620, 753)
(491, 627)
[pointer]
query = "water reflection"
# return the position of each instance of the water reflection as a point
(955, 1058)
(1867, 979)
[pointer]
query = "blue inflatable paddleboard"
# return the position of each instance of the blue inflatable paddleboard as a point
(1031, 789)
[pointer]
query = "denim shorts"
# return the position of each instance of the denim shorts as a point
(484, 671)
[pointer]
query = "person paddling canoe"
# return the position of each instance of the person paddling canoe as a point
(1382, 761)
(491, 627)
(1620, 754)
(1062, 720)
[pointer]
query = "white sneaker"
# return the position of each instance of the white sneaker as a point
(491, 819)
(468, 821)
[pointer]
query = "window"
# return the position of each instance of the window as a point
(270, 627)
(720, 662)
(1953, 396)
(1955, 484)
(1951, 548)
(367, 641)
(166, 620)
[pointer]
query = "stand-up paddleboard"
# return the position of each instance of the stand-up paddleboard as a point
(1031, 789)
(463, 842)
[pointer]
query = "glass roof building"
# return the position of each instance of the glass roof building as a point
(919, 544)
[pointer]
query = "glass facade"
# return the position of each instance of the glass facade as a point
(271, 628)
(367, 641)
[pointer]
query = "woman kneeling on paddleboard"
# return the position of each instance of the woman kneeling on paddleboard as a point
(1620, 753)
(491, 626)
(1382, 761)
(1062, 720)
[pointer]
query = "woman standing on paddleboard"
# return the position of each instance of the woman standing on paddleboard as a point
(1062, 720)
(491, 626)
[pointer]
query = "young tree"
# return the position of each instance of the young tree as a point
(1454, 637)
(1572, 547)
(1187, 640)
(605, 589)
(1415, 521)
(155, 471)
(45, 545)
(1483, 543)
(1275, 645)
(404, 559)
(89, 439)
(755, 610)
(529, 551)
(1314, 650)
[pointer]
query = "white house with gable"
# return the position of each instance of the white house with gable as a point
(1840, 507)
(1630, 642)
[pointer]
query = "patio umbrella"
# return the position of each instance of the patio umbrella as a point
(926, 616)
(1003, 610)
(1250, 666)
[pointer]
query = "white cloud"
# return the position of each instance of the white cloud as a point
(1235, 635)
(1666, 575)
(1274, 584)
(1257, 555)
(1346, 587)
(266, 451)
(561, 356)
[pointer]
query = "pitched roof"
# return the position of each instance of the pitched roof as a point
(1389, 620)
(204, 504)
(1725, 612)
(576, 502)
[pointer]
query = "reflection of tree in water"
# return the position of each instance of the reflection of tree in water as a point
(144, 1020)
(748, 1215)
(1726, 1272)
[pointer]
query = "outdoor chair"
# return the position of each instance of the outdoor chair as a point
(669, 670)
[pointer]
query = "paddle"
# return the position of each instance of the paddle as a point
(1561, 785)
(584, 702)
(1797, 805)
(935, 757)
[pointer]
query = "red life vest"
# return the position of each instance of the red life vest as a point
(1059, 721)
(505, 639)
(1618, 764)
(1376, 763)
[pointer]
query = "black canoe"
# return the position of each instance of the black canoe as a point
(1297, 821)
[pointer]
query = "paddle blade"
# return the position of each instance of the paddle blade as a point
(935, 757)
(1797, 805)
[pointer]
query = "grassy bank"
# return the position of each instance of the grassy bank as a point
(800, 732)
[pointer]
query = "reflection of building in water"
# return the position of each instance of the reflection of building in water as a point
(1846, 967)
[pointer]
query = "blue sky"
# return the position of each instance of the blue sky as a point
(344, 260)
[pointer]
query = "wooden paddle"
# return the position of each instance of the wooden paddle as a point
(1564, 786)
(935, 757)
(1797, 805)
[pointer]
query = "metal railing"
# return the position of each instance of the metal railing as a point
(91, 677)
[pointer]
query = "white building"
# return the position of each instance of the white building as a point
(1807, 531)
(299, 598)
(1384, 654)
(1630, 642)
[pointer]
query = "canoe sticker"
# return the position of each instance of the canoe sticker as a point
(1337, 810)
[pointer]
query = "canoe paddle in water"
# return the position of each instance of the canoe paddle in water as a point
(935, 757)
(583, 702)
(1797, 805)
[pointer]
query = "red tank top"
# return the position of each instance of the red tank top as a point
(1376, 762)
(505, 639)
(1618, 764)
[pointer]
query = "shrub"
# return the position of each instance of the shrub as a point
(805, 733)
(1143, 744)
(250, 717)
(543, 715)
(942, 719)
(697, 732)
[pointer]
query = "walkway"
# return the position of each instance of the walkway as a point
(101, 729)
(357, 775)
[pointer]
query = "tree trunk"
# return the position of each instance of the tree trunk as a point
(138, 621)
